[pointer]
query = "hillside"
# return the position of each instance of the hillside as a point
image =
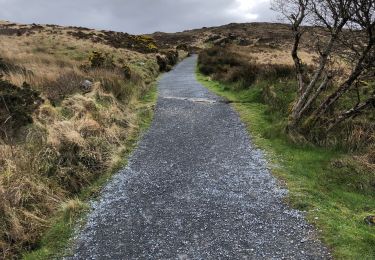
(74, 100)
(266, 42)
(71, 101)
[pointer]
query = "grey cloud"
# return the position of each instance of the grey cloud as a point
(134, 16)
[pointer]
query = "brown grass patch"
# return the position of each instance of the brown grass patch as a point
(75, 134)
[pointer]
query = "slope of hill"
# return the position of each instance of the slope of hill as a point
(264, 42)
(71, 100)
(242, 33)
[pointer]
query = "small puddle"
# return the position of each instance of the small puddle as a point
(196, 100)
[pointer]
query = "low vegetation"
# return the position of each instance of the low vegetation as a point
(231, 67)
(73, 101)
(57, 239)
(70, 109)
(228, 66)
(334, 182)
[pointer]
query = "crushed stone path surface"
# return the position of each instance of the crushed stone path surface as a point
(195, 188)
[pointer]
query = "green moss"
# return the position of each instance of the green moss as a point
(334, 190)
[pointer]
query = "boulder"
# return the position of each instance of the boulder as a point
(86, 86)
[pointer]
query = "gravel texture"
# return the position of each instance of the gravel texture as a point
(195, 188)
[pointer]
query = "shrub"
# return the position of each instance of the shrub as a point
(182, 47)
(152, 47)
(66, 84)
(7, 66)
(167, 60)
(172, 57)
(3, 65)
(96, 59)
(229, 67)
(276, 71)
(101, 60)
(162, 62)
(17, 104)
(144, 43)
(244, 75)
(126, 71)
(278, 98)
(120, 89)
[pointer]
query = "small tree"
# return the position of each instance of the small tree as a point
(347, 30)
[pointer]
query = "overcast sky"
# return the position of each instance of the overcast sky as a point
(136, 16)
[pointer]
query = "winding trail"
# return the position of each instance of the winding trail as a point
(195, 188)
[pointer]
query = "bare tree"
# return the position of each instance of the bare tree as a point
(349, 30)
(296, 12)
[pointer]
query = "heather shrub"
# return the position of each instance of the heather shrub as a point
(64, 85)
(229, 67)
(17, 104)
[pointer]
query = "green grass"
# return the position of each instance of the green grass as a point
(333, 189)
(57, 239)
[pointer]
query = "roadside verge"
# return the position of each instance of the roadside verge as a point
(318, 183)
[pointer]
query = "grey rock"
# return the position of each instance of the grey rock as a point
(86, 85)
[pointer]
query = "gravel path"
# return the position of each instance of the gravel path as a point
(195, 188)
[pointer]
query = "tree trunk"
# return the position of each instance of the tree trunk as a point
(298, 106)
(352, 112)
(330, 100)
(297, 61)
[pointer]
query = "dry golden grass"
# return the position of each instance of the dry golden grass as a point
(71, 208)
(267, 55)
(76, 135)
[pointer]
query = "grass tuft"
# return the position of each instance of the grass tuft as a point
(57, 240)
(71, 209)
(63, 132)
